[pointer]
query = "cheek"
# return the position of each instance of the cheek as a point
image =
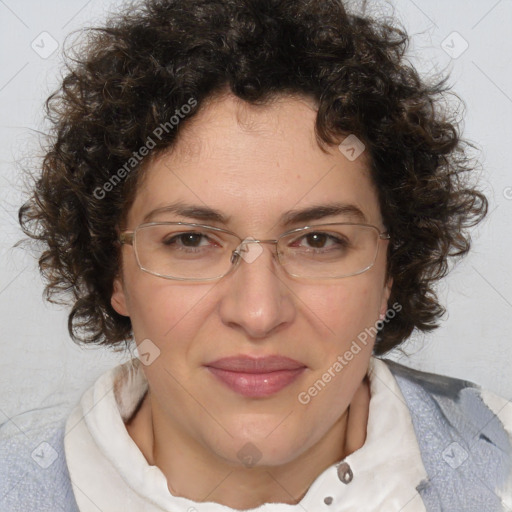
(160, 309)
(347, 312)
(346, 308)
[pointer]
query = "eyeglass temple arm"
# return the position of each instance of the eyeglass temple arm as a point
(126, 237)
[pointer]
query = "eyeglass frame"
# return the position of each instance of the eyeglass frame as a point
(127, 237)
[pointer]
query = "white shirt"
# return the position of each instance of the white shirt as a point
(109, 472)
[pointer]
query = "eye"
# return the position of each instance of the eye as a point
(321, 240)
(189, 239)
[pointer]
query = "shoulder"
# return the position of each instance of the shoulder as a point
(436, 383)
(452, 389)
(33, 469)
(464, 432)
(455, 397)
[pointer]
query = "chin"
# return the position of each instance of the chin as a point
(252, 452)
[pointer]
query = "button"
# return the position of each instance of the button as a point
(345, 473)
(328, 500)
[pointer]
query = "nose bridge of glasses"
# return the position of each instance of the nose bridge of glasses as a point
(250, 249)
(243, 247)
(251, 240)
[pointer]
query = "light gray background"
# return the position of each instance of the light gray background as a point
(41, 367)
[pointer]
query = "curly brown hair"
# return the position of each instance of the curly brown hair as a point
(131, 75)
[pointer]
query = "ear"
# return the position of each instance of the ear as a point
(118, 299)
(386, 292)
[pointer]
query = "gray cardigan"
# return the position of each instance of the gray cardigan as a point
(464, 446)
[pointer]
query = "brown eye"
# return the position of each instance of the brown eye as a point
(317, 240)
(320, 240)
(186, 239)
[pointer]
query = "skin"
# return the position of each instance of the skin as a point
(252, 164)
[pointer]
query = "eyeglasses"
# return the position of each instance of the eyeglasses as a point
(196, 252)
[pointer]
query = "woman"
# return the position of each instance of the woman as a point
(261, 196)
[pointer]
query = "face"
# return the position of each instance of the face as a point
(253, 164)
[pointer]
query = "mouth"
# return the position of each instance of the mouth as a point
(256, 377)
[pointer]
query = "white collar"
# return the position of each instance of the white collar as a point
(109, 472)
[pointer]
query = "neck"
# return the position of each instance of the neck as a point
(181, 459)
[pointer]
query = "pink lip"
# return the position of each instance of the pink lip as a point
(256, 377)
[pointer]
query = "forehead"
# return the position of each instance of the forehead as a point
(254, 164)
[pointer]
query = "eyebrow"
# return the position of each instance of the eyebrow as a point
(302, 216)
(317, 212)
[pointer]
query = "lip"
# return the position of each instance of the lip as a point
(248, 364)
(256, 377)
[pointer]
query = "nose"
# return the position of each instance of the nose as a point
(255, 298)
